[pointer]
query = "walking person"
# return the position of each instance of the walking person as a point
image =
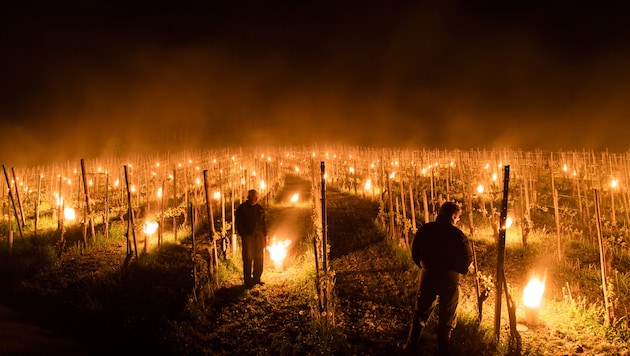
(443, 253)
(251, 226)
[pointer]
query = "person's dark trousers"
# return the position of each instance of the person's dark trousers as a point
(258, 257)
(253, 255)
(247, 254)
(432, 286)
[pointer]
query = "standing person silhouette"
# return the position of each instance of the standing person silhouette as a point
(443, 253)
(251, 226)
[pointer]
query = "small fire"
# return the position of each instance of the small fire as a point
(368, 184)
(295, 198)
(532, 294)
(150, 227)
(278, 249)
(68, 213)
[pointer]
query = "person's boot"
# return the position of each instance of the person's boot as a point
(414, 336)
(444, 338)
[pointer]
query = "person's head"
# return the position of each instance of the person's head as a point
(449, 211)
(252, 197)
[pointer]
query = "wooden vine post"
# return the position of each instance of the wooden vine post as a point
(390, 205)
(17, 196)
(37, 204)
(210, 218)
(316, 252)
(13, 202)
(613, 216)
(608, 316)
(413, 209)
(175, 203)
(404, 213)
(88, 206)
(556, 211)
(194, 249)
(577, 184)
(500, 275)
(425, 205)
(106, 213)
(131, 225)
(324, 241)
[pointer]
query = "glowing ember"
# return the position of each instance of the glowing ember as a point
(150, 227)
(68, 213)
(532, 294)
(295, 198)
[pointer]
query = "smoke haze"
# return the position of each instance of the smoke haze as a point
(101, 79)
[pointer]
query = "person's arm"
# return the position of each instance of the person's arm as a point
(240, 220)
(416, 248)
(464, 254)
(264, 223)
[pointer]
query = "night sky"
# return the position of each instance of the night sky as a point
(94, 78)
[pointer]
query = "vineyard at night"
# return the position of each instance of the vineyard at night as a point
(141, 252)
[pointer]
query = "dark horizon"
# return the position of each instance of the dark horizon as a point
(92, 80)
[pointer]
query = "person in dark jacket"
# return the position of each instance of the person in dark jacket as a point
(443, 253)
(251, 226)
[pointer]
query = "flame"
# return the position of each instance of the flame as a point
(295, 198)
(278, 250)
(368, 184)
(68, 213)
(532, 294)
(150, 227)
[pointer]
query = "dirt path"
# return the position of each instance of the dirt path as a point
(372, 285)
(274, 318)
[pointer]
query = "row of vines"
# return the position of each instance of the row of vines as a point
(576, 197)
